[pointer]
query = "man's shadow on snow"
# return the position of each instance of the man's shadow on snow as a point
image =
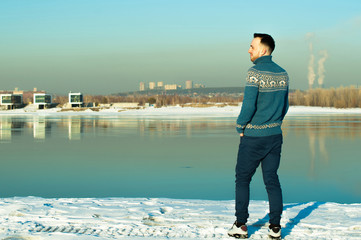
(291, 223)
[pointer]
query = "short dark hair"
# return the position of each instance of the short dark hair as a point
(266, 40)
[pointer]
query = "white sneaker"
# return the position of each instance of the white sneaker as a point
(238, 232)
(274, 231)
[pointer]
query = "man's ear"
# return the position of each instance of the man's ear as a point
(263, 51)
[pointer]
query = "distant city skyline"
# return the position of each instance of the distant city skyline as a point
(160, 85)
(105, 47)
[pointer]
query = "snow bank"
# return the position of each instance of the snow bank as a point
(129, 218)
(302, 110)
(178, 111)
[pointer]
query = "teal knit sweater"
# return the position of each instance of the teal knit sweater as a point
(265, 102)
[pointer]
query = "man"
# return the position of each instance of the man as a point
(264, 106)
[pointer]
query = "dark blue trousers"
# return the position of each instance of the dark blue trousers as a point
(253, 151)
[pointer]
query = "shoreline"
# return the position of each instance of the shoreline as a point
(214, 111)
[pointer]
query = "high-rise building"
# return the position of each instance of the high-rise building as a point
(189, 84)
(141, 86)
(151, 85)
(160, 85)
(171, 87)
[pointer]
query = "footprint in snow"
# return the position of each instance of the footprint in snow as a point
(20, 238)
(149, 203)
(153, 219)
(165, 210)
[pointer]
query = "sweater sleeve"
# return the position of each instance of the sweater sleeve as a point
(285, 109)
(249, 105)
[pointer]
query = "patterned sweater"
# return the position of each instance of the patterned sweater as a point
(265, 100)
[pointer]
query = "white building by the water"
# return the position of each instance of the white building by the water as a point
(76, 99)
(42, 100)
(11, 101)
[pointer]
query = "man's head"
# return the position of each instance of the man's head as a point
(261, 45)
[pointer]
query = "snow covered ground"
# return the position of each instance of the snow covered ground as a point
(178, 111)
(141, 218)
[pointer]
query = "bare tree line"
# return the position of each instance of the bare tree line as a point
(342, 97)
(158, 100)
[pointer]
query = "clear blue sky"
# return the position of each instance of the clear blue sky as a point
(109, 46)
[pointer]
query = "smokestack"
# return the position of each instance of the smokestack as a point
(321, 67)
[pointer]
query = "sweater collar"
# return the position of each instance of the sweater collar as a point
(263, 59)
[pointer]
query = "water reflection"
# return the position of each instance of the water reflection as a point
(342, 126)
(321, 132)
(315, 141)
(168, 150)
(41, 127)
(75, 128)
(5, 130)
(316, 128)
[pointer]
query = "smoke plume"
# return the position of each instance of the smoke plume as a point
(311, 63)
(321, 67)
